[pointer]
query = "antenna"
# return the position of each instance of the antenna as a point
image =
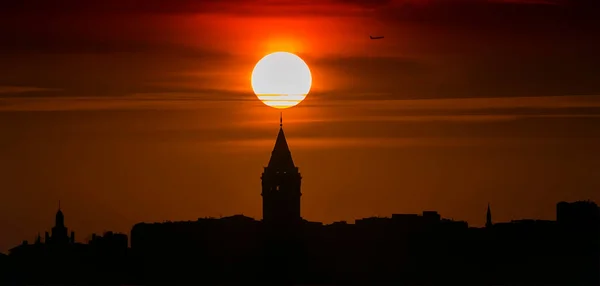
(281, 119)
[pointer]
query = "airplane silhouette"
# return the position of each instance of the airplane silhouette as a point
(376, 38)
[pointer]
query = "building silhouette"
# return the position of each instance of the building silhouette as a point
(58, 238)
(59, 259)
(281, 182)
(59, 231)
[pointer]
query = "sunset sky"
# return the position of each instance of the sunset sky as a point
(129, 111)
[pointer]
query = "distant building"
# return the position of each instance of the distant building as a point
(109, 243)
(58, 238)
(580, 214)
(59, 231)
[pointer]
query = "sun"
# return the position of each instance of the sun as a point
(281, 80)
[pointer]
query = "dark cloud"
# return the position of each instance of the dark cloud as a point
(565, 19)
(534, 76)
(495, 16)
(436, 8)
(370, 75)
(66, 44)
(72, 72)
(514, 111)
(138, 93)
(242, 7)
(508, 75)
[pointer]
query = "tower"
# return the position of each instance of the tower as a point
(59, 231)
(281, 182)
(488, 217)
(59, 220)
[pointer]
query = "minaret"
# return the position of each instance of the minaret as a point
(59, 231)
(60, 218)
(281, 185)
(488, 218)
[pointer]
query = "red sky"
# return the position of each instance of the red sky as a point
(132, 111)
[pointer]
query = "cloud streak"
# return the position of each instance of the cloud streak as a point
(12, 90)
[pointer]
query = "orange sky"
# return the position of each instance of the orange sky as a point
(130, 113)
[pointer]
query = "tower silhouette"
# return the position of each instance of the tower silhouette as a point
(488, 217)
(59, 231)
(281, 182)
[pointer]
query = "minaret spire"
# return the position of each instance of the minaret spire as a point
(488, 220)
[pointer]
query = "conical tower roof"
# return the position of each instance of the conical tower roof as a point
(281, 157)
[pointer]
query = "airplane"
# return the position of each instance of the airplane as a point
(376, 38)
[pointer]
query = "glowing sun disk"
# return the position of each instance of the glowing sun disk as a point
(281, 80)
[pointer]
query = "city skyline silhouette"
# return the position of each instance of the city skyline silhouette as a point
(146, 112)
(280, 161)
(285, 248)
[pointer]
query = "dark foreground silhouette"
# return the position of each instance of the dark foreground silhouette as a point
(404, 249)
(284, 249)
